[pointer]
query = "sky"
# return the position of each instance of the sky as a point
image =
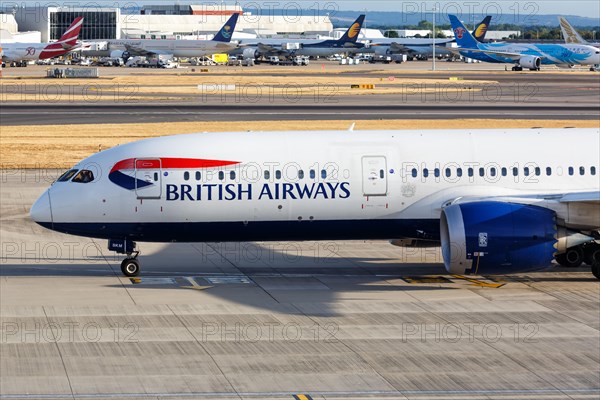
(584, 8)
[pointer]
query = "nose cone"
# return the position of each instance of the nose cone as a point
(41, 212)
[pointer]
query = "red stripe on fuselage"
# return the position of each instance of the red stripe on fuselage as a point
(170, 163)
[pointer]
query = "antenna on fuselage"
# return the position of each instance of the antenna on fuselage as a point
(351, 129)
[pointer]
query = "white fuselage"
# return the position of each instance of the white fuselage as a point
(312, 185)
(177, 48)
(23, 51)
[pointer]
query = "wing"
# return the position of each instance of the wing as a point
(511, 56)
(140, 51)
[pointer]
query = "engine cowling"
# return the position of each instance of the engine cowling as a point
(250, 53)
(531, 62)
(120, 54)
(494, 237)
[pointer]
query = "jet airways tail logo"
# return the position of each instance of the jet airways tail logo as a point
(133, 165)
(354, 30)
(459, 32)
(481, 30)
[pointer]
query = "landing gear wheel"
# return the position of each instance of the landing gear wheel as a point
(130, 267)
(591, 254)
(596, 270)
(573, 258)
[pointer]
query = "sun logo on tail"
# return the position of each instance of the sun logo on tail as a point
(354, 30)
(481, 30)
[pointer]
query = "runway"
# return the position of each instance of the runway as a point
(27, 114)
(327, 320)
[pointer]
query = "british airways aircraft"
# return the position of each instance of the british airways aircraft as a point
(42, 51)
(524, 55)
(497, 201)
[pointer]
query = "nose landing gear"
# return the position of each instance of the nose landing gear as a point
(130, 266)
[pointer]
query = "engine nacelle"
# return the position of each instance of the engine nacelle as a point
(494, 237)
(531, 62)
(250, 54)
(120, 54)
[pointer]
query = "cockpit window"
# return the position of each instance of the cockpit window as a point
(67, 175)
(84, 176)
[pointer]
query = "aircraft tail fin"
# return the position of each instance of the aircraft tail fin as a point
(351, 35)
(226, 32)
(570, 35)
(462, 35)
(69, 38)
(480, 30)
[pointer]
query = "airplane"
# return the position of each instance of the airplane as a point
(417, 47)
(348, 43)
(493, 205)
(524, 55)
(221, 43)
(571, 35)
(20, 52)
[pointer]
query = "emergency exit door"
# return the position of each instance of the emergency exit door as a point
(374, 172)
(148, 173)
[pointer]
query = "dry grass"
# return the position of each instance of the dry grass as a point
(62, 146)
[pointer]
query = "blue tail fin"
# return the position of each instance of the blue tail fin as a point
(226, 32)
(481, 29)
(462, 35)
(351, 35)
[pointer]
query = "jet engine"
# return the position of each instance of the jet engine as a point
(120, 54)
(495, 237)
(250, 54)
(531, 62)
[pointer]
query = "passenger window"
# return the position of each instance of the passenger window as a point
(381, 174)
(436, 172)
(186, 176)
(526, 171)
(67, 175)
(221, 175)
(312, 174)
(504, 171)
(581, 171)
(300, 174)
(198, 175)
(414, 172)
(493, 171)
(538, 171)
(459, 172)
(515, 171)
(425, 173)
(571, 171)
(232, 175)
(84, 176)
(481, 172)
(448, 173)
(277, 174)
(471, 172)
(548, 171)
(593, 170)
(267, 175)
(323, 174)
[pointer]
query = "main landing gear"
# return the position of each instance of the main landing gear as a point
(130, 266)
(588, 253)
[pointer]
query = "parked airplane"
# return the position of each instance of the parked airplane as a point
(524, 55)
(221, 43)
(493, 204)
(256, 48)
(41, 51)
(571, 35)
(416, 47)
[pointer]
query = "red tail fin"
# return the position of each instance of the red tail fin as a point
(69, 38)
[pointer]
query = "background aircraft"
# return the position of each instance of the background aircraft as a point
(421, 47)
(221, 43)
(571, 35)
(256, 48)
(493, 204)
(42, 51)
(524, 55)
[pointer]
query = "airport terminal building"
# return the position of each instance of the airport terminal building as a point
(163, 22)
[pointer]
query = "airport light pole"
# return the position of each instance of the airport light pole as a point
(433, 34)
